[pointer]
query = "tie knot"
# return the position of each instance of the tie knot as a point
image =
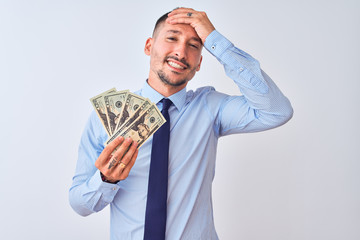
(166, 104)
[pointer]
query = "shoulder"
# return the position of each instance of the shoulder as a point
(200, 92)
(206, 93)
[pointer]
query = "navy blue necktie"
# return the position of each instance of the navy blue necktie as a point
(155, 217)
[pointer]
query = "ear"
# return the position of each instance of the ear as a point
(198, 67)
(148, 46)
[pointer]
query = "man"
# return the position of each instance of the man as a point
(197, 120)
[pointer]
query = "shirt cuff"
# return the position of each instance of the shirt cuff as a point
(217, 44)
(107, 190)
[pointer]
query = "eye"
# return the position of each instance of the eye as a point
(171, 39)
(194, 46)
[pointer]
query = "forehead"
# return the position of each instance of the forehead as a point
(179, 29)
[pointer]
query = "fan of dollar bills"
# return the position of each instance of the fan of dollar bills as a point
(126, 114)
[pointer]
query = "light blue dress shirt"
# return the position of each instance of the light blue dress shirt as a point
(198, 119)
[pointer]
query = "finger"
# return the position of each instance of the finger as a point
(179, 19)
(185, 17)
(125, 172)
(113, 162)
(181, 10)
(122, 169)
(105, 155)
(111, 146)
(128, 155)
(111, 170)
(121, 151)
(198, 20)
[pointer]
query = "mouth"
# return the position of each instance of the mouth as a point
(176, 64)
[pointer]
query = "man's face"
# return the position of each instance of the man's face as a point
(175, 54)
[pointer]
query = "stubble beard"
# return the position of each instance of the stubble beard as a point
(165, 79)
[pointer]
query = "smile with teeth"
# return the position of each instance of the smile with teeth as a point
(175, 65)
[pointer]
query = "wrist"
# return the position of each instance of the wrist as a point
(104, 179)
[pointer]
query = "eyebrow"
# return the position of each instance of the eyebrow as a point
(179, 32)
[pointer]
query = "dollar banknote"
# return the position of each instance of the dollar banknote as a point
(132, 103)
(114, 103)
(143, 127)
(139, 111)
(100, 109)
(126, 114)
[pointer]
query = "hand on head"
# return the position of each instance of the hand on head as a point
(198, 20)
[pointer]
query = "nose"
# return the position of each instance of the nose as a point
(180, 51)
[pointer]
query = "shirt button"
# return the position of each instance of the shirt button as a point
(213, 47)
(114, 188)
(241, 69)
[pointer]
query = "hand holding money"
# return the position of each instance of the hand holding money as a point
(129, 120)
(115, 166)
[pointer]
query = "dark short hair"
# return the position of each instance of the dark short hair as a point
(160, 20)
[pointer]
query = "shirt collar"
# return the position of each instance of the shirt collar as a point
(178, 98)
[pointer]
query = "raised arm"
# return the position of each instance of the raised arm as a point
(262, 105)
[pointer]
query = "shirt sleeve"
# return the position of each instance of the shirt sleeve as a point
(262, 105)
(88, 193)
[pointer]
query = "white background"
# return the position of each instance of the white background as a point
(300, 181)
